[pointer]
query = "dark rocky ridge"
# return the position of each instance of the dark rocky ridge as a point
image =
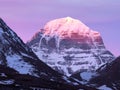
(109, 75)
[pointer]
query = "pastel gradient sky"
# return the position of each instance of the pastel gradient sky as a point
(26, 17)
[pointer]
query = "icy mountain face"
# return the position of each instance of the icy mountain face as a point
(67, 45)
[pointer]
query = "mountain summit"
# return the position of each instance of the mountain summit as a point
(68, 46)
(65, 27)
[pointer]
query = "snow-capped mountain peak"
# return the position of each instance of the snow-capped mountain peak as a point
(65, 27)
(67, 45)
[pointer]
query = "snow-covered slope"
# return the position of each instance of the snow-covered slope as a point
(15, 54)
(67, 45)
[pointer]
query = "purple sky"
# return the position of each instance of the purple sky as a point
(26, 17)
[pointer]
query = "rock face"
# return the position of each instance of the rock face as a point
(67, 45)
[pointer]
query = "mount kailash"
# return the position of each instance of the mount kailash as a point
(68, 46)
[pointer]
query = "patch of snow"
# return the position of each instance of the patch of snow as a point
(6, 82)
(86, 75)
(40, 42)
(104, 87)
(1, 31)
(3, 75)
(66, 79)
(17, 63)
(57, 43)
(26, 55)
(81, 82)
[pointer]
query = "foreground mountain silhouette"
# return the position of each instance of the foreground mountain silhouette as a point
(108, 75)
(20, 68)
(68, 46)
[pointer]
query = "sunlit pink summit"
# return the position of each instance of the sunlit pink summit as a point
(65, 27)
